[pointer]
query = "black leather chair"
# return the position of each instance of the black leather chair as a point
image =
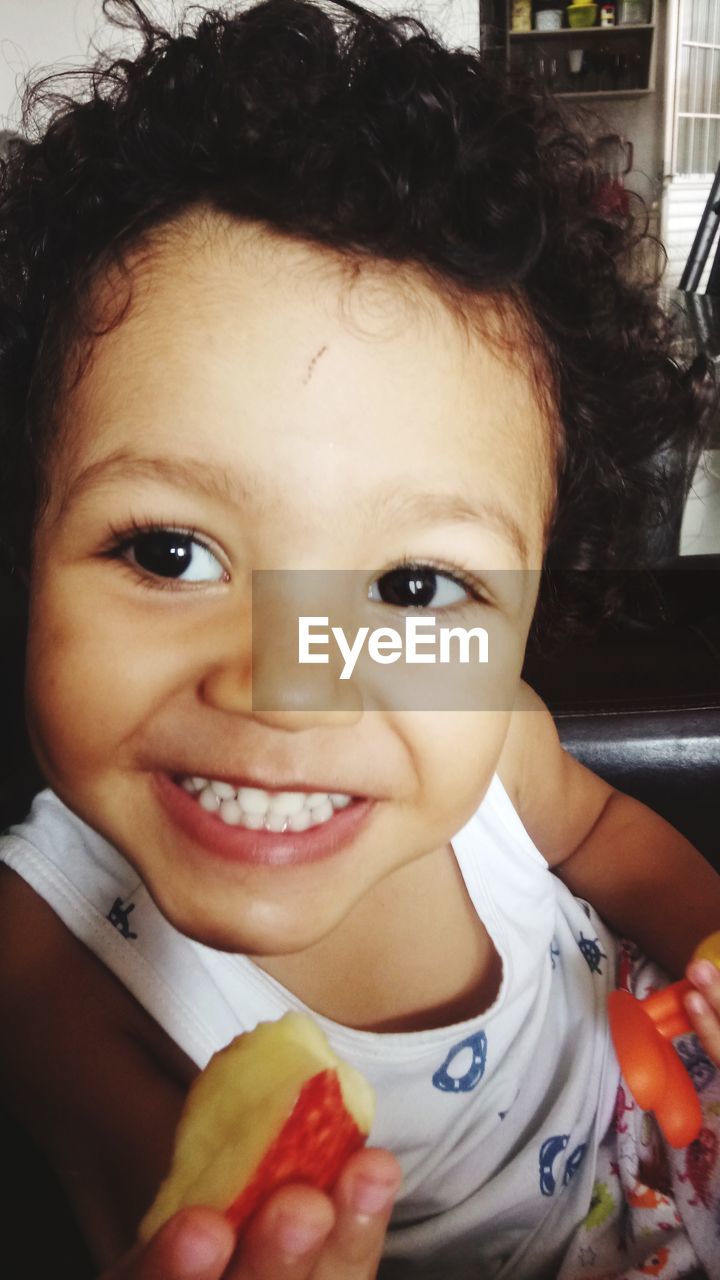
(639, 704)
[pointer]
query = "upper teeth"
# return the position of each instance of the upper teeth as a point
(274, 810)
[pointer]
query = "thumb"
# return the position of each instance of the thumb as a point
(195, 1244)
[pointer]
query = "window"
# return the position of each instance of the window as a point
(692, 135)
(697, 88)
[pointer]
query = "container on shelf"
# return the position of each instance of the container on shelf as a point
(548, 19)
(634, 12)
(607, 15)
(581, 15)
(521, 15)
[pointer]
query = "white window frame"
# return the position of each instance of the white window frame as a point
(689, 189)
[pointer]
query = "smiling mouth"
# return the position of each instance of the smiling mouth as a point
(257, 809)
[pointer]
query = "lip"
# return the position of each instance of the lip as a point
(215, 838)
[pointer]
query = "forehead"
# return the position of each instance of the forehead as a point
(242, 342)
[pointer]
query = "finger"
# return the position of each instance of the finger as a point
(703, 1006)
(363, 1198)
(196, 1244)
(706, 977)
(285, 1239)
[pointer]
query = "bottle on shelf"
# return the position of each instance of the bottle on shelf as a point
(521, 15)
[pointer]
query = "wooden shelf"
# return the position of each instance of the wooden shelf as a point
(623, 29)
(605, 93)
(632, 45)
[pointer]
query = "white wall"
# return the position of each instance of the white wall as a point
(43, 33)
(456, 21)
(36, 34)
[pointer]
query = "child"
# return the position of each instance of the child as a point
(300, 290)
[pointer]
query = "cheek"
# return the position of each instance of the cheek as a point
(456, 753)
(71, 704)
(456, 757)
(89, 682)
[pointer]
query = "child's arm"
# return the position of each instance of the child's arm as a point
(644, 878)
(85, 1070)
(101, 1087)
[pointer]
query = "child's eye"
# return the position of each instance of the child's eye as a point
(420, 587)
(170, 554)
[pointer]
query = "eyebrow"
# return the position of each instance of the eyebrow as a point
(434, 508)
(197, 475)
(193, 474)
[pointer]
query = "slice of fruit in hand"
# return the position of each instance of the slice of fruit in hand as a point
(276, 1106)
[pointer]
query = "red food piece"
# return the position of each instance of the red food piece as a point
(312, 1146)
(276, 1105)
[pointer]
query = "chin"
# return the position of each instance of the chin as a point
(242, 933)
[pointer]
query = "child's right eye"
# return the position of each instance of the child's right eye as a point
(169, 555)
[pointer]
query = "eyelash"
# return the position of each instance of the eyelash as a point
(476, 591)
(121, 539)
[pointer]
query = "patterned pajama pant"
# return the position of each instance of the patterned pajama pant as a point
(655, 1210)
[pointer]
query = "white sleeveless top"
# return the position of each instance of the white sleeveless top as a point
(496, 1121)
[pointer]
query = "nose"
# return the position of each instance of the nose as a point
(258, 674)
(297, 708)
(282, 702)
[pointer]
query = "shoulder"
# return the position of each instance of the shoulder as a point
(531, 737)
(46, 967)
(90, 1075)
(556, 797)
(34, 946)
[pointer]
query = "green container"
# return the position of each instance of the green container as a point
(581, 15)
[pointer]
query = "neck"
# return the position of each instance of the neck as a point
(412, 955)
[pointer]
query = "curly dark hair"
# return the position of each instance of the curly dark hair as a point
(363, 133)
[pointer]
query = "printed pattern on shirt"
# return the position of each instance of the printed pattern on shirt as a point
(471, 1054)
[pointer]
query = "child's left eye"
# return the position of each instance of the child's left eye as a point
(419, 587)
(170, 554)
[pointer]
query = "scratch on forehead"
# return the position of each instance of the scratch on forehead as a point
(313, 362)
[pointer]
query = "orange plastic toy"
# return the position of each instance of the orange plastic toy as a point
(642, 1031)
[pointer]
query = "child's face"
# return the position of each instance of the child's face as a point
(248, 359)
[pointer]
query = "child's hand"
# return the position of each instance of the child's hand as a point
(300, 1234)
(703, 1006)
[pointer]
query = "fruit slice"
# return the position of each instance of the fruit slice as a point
(277, 1105)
